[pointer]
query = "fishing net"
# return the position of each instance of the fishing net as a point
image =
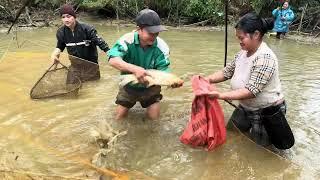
(56, 82)
(60, 80)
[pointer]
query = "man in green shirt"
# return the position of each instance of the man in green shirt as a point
(135, 52)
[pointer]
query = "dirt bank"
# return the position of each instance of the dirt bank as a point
(55, 21)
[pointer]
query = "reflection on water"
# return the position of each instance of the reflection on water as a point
(51, 137)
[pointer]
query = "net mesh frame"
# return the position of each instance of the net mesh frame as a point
(51, 84)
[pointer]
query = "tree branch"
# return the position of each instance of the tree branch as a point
(18, 14)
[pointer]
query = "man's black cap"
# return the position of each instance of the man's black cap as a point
(149, 20)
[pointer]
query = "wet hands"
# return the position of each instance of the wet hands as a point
(176, 85)
(214, 94)
(141, 74)
(55, 59)
(55, 55)
(207, 78)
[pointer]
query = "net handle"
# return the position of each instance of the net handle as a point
(55, 64)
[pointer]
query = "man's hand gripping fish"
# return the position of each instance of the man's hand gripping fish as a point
(155, 77)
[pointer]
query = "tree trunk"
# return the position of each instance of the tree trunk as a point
(18, 14)
(28, 18)
(177, 12)
(137, 9)
(117, 10)
(316, 25)
(303, 12)
(317, 35)
(170, 8)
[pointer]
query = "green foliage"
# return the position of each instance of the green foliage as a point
(46, 3)
(172, 10)
(203, 9)
(95, 3)
(57, 3)
(258, 5)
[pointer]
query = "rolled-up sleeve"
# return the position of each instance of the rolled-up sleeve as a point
(97, 40)
(262, 70)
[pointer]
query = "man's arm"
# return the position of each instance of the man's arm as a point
(60, 46)
(97, 40)
(123, 66)
(116, 55)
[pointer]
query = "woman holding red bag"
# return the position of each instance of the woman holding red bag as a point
(256, 84)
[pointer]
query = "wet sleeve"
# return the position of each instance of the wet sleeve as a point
(262, 70)
(60, 42)
(97, 40)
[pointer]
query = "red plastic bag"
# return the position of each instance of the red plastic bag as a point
(206, 126)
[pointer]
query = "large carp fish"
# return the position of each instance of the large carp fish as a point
(154, 77)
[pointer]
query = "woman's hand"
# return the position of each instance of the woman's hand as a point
(207, 78)
(215, 77)
(214, 94)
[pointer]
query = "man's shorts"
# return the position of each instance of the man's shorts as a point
(128, 96)
(265, 126)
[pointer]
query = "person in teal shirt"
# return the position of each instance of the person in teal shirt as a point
(283, 17)
(134, 53)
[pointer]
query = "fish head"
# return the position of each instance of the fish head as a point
(177, 82)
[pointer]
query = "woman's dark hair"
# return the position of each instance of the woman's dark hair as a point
(251, 22)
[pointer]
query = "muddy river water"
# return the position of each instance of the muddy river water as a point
(51, 138)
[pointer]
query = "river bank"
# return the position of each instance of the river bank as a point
(54, 21)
